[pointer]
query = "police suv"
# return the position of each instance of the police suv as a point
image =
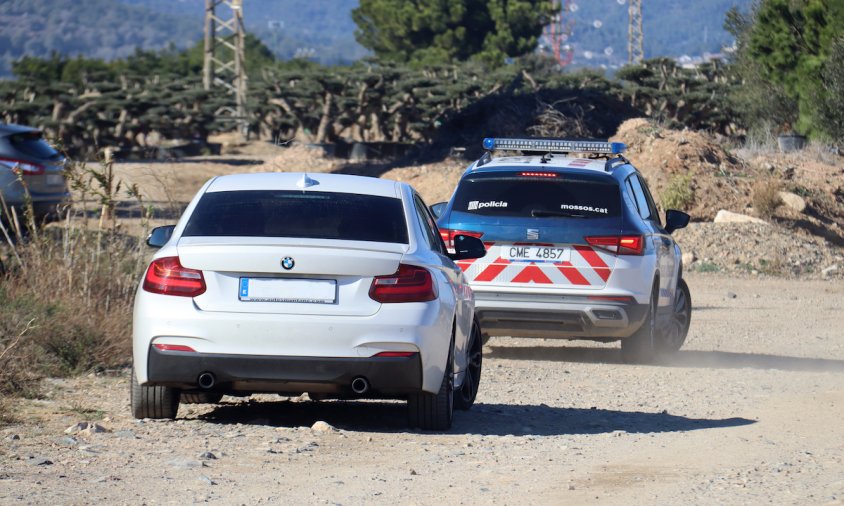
(575, 247)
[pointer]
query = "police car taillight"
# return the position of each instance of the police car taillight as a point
(618, 244)
(448, 236)
(22, 168)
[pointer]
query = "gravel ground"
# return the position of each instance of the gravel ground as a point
(749, 412)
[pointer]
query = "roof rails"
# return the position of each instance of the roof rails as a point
(554, 146)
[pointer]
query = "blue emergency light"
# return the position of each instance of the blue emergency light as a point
(554, 146)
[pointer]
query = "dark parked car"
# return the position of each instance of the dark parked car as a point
(28, 162)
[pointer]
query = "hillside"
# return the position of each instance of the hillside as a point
(323, 29)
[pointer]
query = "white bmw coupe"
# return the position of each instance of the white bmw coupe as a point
(335, 285)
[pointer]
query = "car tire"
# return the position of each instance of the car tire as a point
(640, 347)
(672, 334)
(434, 411)
(153, 402)
(200, 397)
(465, 397)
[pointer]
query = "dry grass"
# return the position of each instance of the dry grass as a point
(66, 296)
(765, 197)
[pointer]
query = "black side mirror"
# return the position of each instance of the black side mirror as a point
(467, 247)
(675, 220)
(159, 236)
(438, 208)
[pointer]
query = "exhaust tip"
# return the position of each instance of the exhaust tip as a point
(206, 380)
(360, 385)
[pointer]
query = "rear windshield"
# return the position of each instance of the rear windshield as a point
(31, 143)
(317, 215)
(514, 195)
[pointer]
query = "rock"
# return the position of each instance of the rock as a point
(207, 456)
(93, 428)
(73, 429)
(13, 437)
(68, 441)
(126, 434)
(829, 271)
(689, 258)
(186, 464)
(41, 461)
(793, 201)
(725, 216)
(731, 295)
(321, 426)
(207, 480)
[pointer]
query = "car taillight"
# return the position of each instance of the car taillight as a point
(167, 277)
(23, 168)
(409, 284)
(448, 236)
(619, 244)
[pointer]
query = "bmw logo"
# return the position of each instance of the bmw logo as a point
(287, 263)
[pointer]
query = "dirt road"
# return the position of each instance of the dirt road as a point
(749, 412)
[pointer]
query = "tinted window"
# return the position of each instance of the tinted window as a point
(317, 215)
(32, 144)
(525, 196)
(639, 196)
(429, 226)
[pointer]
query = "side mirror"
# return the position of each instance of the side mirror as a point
(467, 247)
(438, 208)
(159, 236)
(675, 220)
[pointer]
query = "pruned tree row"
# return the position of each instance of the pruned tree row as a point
(368, 102)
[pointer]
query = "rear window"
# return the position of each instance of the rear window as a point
(31, 143)
(316, 215)
(514, 195)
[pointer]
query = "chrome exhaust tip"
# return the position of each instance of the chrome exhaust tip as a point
(360, 385)
(206, 380)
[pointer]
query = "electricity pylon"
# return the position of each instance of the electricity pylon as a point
(225, 58)
(635, 37)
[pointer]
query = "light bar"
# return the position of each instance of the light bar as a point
(554, 145)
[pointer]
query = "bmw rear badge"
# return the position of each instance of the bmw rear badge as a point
(287, 263)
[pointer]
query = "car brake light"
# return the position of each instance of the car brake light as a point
(538, 174)
(167, 277)
(23, 168)
(448, 236)
(173, 347)
(396, 354)
(619, 244)
(409, 284)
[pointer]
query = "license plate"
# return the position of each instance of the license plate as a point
(305, 291)
(536, 254)
(55, 179)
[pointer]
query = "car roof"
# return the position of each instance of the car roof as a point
(12, 129)
(340, 183)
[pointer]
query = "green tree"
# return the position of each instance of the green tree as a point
(788, 42)
(831, 119)
(430, 32)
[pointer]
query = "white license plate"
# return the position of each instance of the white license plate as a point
(307, 291)
(55, 179)
(551, 254)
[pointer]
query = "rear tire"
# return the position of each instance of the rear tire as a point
(465, 397)
(200, 397)
(640, 348)
(673, 334)
(153, 402)
(434, 411)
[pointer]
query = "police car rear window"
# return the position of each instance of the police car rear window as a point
(544, 196)
(316, 215)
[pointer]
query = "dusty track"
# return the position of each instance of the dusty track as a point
(749, 412)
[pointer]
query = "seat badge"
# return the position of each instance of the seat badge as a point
(533, 234)
(287, 263)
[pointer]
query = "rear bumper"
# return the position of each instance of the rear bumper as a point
(280, 374)
(560, 317)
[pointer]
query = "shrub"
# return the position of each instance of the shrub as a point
(678, 193)
(765, 197)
